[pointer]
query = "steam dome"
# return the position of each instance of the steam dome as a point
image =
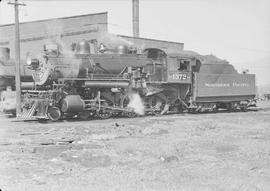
(83, 47)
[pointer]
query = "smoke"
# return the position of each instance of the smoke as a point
(136, 103)
(112, 40)
(54, 32)
(54, 29)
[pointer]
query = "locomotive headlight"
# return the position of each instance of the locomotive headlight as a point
(28, 60)
(31, 63)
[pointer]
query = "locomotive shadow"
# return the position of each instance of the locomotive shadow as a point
(47, 121)
(228, 111)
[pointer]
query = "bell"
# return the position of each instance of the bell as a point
(83, 47)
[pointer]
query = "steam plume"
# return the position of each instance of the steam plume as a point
(136, 103)
(112, 40)
(54, 31)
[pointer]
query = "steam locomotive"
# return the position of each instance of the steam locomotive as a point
(122, 82)
(125, 83)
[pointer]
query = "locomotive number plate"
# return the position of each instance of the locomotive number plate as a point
(181, 76)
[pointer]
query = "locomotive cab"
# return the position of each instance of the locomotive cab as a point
(180, 68)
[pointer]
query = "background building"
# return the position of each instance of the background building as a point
(68, 30)
(61, 30)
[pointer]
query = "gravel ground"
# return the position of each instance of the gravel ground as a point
(222, 151)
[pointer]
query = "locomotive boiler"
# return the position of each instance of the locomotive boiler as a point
(77, 83)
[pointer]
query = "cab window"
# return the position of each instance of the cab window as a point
(183, 65)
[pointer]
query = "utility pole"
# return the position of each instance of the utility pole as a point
(135, 17)
(17, 57)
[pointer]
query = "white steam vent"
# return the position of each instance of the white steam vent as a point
(136, 103)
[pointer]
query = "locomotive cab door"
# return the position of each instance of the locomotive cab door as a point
(155, 71)
(156, 66)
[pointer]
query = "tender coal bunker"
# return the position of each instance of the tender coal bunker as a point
(217, 69)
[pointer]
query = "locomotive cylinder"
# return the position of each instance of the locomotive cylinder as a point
(72, 104)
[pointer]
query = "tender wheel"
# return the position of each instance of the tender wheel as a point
(54, 113)
(243, 107)
(232, 107)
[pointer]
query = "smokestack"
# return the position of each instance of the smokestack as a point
(135, 17)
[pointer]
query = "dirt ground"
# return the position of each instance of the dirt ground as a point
(223, 151)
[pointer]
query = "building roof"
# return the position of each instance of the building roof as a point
(180, 43)
(51, 19)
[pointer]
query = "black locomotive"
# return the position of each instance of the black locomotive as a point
(125, 83)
